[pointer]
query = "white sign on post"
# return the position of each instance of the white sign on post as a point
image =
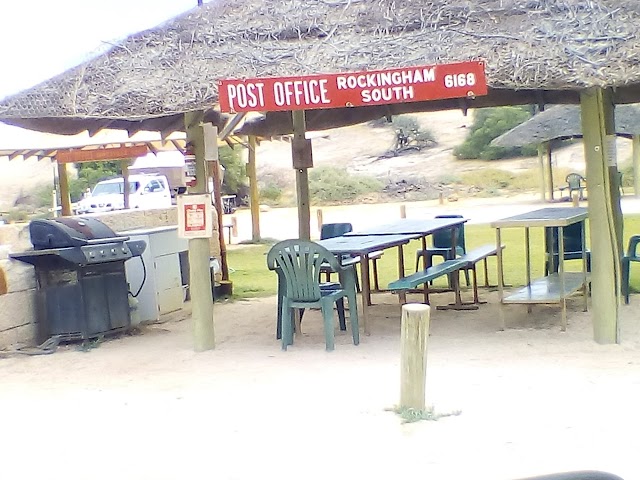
(194, 216)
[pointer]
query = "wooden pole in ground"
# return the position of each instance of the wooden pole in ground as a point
(302, 161)
(254, 194)
(124, 165)
(65, 197)
(575, 199)
(604, 215)
(413, 355)
(320, 219)
(403, 211)
(636, 165)
(200, 274)
(543, 193)
(547, 147)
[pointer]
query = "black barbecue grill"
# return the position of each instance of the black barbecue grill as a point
(82, 291)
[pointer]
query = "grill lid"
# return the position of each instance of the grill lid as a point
(67, 232)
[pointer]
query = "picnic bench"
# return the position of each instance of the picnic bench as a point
(402, 285)
(475, 256)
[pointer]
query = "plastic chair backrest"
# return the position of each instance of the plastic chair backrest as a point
(442, 239)
(572, 238)
(331, 230)
(300, 262)
(574, 180)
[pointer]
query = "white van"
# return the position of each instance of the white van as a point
(145, 192)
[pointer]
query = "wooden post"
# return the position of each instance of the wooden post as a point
(302, 161)
(597, 124)
(217, 199)
(254, 195)
(403, 211)
(543, 193)
(124, 165)
(234, 226)
(636, 164)
(575, 199)
(413, 355)
(547, 147)
(200, 274)
(65, 197)
(320, 219)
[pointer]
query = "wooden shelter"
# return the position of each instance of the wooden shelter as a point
(562, 122)
(535, 51)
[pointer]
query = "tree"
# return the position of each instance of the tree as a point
(488, 124)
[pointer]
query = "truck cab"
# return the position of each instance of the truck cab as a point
(145, 192)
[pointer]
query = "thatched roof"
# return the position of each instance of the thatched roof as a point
(536, 51)
(560, 122)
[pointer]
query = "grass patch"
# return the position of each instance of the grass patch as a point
(411, 415)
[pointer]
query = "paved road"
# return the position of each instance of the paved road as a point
(282, 223)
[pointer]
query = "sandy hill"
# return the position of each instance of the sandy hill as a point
(359, 149)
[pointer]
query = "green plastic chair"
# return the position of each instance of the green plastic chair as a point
(630, 256)
(299, 263)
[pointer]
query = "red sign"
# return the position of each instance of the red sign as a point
(195, 218)
(353, 89)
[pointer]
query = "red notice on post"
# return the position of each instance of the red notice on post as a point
(354, 89)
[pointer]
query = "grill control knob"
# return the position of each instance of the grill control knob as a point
(124, 250)
(113, 251)
(102, 253)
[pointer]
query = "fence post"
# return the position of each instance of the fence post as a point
(403, 211)
(413, 355)
(575, 199)
(319, 216)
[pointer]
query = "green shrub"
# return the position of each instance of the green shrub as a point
(234, 171)
(330, 184)
(488, 124)
(270, 192)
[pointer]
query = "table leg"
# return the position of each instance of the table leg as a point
(365, 291)
(500, 278)
(402, 297)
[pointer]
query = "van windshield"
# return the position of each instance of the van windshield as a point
(114, 188)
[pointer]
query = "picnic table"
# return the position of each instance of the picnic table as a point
(555, 287)
(362, 246)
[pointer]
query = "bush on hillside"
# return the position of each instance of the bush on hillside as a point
(488, 124)
(330, 184)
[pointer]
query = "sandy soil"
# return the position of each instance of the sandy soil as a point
(358, 148)
(533, 400)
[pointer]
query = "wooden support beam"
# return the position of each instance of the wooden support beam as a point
(636, 165)
(65, 197)
(302, 161)
(217, 196)
(99, 154)
(254, 194)
(124, 166)
(231, 124)
(597, 125)
(199, 253)
(547, 147)
(543, 190)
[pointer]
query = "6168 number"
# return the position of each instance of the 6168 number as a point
(460, 80)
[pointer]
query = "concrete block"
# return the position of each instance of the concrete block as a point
(18, 276)
(16, 236)
(17, 309)
(22, 336)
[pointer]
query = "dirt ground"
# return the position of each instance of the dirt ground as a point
(532, 400)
